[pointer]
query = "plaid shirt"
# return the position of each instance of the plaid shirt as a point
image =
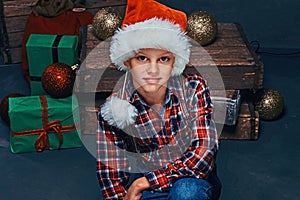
(177, 143)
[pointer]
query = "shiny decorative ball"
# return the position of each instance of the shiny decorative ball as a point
(270, 104)
(105, 22)
(202, 27)
(4, 106)
(58, 80)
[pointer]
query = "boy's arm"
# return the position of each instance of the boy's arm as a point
(136, 188)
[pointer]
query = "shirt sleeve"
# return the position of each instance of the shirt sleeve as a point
(112, 166)
(199, 158)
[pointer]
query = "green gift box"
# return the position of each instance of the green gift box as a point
(40, 123)
(46, 49)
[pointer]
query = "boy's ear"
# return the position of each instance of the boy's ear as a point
(126, 63)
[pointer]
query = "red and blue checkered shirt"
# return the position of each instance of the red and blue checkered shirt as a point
(169, 144)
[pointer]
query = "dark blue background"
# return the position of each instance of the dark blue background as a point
(272, 22)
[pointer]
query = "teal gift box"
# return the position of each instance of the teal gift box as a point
(46, 49)
(39, 123)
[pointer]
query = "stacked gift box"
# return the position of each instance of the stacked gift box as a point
(44, 50)
(41, 122)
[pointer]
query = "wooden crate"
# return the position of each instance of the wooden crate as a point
(88, 119)
(231, 52)
(247, 126)
(14, 14)
(89, 109)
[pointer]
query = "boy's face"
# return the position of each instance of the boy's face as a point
(151, 69)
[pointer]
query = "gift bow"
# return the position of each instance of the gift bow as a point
(42, 141)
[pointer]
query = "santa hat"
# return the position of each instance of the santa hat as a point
(149, 24)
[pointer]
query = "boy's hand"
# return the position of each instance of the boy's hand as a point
(135, 190)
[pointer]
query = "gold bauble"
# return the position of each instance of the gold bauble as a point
(202, 27)
(105, 22)
(58, 80)
(270, 104)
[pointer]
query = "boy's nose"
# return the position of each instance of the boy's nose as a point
(153, 68)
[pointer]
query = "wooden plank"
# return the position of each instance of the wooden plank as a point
(121, 9)
(110, 76)
(13, 8)
(90, 4)
(15, 39)
(88, 119)
(16, 55)
(15, 24)
(93, 6)
(259, 65)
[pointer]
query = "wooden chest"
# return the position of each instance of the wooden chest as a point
(246, 127)
(231, 52)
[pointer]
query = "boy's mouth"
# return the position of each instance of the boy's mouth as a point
(152, 80)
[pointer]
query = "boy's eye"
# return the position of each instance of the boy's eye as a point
(164, 59)
(142, 58)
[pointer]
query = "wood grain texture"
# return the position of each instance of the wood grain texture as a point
(247, 127)
(231, 52)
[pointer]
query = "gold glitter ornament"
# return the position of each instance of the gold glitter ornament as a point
(58, 80)
(105, 22)
(202, 27)
(270, 104)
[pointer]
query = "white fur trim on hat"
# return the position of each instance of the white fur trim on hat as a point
(152, 33)
(118, 112)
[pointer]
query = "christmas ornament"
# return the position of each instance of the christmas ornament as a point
(202, 27)
(4, 106)
(58, 80)
(106, 21)
(270, 104)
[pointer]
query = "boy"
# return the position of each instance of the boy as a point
(160, 120)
